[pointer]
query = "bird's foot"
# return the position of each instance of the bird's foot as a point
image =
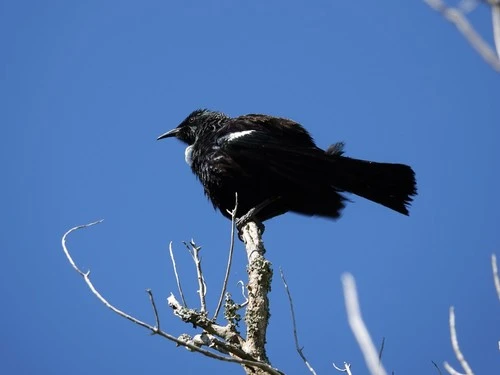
(251, 215)
(247, 218)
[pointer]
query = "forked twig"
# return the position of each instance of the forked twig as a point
(202, 286)
(358, 327)
(229, 259)
(295, 337)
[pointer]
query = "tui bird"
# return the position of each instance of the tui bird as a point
(274, 166)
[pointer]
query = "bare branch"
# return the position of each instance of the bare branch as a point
(155, 311)
(295, 337)
(86, 277)
(358, 326)
(155, 330)
(346, 369)
(456, 17)
(71, 261)
(229, 259)
(456, 348)
(496, 279)
(177, 278)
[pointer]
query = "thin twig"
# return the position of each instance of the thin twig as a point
(155, 310)
(71, 261)
(242, 284)
(229, 259)
(201, 279)
(262, 365)
(177, 278)
(437, 367)
(202, 286)
(381, 351)
(346, 369)
(295, 337)
(358, 327)
(496, 279)
(456, 17)
(456, 348)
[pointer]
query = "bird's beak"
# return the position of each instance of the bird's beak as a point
(170, 133)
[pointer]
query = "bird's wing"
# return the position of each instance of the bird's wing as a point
(287, 131)
(276, 157)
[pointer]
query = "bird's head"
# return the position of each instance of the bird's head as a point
(195, 124)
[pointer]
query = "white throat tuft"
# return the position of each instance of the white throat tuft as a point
(188, 155)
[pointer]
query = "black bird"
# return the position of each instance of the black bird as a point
(275, 167)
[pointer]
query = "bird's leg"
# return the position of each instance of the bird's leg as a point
(252, 213)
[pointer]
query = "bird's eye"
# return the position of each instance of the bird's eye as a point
(191, 120)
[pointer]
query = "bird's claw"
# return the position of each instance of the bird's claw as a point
(247, 218)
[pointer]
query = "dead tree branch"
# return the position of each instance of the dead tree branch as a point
(233, 352)
(257, 310)
(259, 285)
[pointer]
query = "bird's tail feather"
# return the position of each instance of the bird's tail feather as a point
(391, 185)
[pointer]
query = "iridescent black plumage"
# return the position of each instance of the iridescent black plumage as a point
(262, 157)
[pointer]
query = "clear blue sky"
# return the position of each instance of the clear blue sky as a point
(86, 87)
